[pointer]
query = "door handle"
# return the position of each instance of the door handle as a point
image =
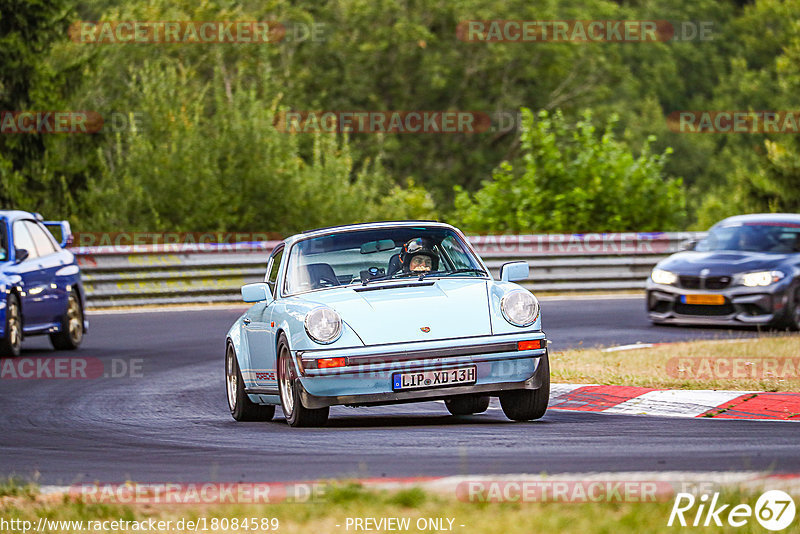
(246, 320)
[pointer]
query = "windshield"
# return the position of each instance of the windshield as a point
(359, 257)
(753, 237)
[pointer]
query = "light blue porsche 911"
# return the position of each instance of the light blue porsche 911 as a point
(384, 313)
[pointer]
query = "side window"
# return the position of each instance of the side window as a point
(272, 271)
(22, 239)
(40, 238)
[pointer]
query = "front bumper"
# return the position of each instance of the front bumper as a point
(367, 377)
(742, 305)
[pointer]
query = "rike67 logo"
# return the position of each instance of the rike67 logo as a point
(774, 510)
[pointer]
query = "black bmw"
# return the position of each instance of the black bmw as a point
(745, 271)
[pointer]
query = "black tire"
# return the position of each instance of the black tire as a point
(296, 414)
(242, 409)
(528, 404)
(11, 342)
(793, 313)
(467, 404)
(71, 334)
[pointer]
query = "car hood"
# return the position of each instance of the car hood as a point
(721, 262)
(401, 312)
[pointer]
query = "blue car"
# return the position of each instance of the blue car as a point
(385, 313)
(40, 284)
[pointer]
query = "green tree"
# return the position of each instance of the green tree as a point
(574, 179)
(28, 29)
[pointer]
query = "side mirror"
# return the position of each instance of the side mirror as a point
(515, 270)
(689, 244)
(256, 292)
(61, 231)
(20, 255)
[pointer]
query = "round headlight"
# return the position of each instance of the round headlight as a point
(323, 325)
(520, 308)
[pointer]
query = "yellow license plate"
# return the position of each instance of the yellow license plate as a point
(707, 300)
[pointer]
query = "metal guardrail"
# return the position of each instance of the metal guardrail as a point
(199, 273)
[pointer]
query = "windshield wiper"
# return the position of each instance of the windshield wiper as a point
(448, 273)
(399, 274)
(469, 270)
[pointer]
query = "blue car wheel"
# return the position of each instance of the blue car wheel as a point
(296, 414)
(242, 409)
(71, 334)
(11, 342)
(528, 404)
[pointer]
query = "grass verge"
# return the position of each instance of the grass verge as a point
(330, 513)
(767, 363)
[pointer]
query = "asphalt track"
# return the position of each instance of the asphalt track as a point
(171, 424)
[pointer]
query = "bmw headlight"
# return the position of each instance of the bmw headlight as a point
(520, 308)
(323, 325)
(660, 276)
(761, 279)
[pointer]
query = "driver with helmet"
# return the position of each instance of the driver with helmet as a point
(418, 256)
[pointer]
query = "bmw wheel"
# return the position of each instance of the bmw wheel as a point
(241, 407)
(794, 312)
(296, 414)
(12, 340)
(71, 334)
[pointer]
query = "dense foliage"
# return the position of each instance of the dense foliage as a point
(594, 153)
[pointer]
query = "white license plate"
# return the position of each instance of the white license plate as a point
(430, 379)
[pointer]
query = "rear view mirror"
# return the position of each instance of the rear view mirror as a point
(20, 255)
(256, 292)
(515, 270)
(689, 244)
(377, 246)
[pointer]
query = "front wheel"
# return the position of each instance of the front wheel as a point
(793, 317)
(467, 404)
(242, 409)
(71, 334)
(528, 404)
(11, 341)
(296, 414)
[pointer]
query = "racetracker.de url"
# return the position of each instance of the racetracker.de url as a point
(199, 524)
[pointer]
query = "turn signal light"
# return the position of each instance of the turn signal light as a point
(530, 345)
(327, 363)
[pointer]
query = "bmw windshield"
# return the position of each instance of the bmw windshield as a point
(781, 238)
(363, 256)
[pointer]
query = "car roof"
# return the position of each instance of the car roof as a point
(362, 226)
(761, 218)
(12, 215)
